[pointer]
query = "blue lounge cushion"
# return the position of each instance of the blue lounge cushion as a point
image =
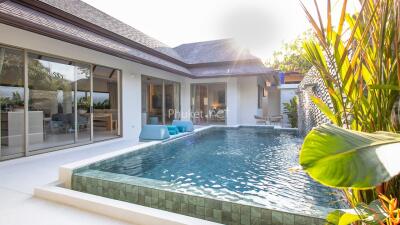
(186, 125)
(154, 132)
(173, 130)
(182, 129)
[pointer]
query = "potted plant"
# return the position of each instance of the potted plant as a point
(17, 102)
(83, 105)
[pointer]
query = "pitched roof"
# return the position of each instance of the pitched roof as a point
(78, 23)
(224, 50)
(95, 16)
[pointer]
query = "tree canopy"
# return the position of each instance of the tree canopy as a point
(290, 58)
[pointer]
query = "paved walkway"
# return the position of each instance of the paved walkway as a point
(19, 177)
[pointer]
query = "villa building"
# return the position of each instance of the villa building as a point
(73, 75)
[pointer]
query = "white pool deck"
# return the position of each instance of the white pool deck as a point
(19, 177)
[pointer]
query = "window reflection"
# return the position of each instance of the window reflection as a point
(160, 100)
(208, 103)
(11, 101)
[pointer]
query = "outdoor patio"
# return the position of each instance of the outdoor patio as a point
(19, 178)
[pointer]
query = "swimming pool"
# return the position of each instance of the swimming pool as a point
(248, 166)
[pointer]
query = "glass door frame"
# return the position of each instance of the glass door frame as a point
(193, 107)
(25, 139)
(163, 96)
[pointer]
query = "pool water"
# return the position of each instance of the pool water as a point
(248, 165)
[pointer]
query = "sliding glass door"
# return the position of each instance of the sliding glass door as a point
(208, 103)
(160, 100)
(54, 119)
(49, 103)
(106, 103)
(12, 102)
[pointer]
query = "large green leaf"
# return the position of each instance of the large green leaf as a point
(343, 158)
(371, 214)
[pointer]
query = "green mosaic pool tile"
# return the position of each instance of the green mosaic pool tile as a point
(277, 218)
(266, 222)
(184, 199)
(217, 215)
(161, 204)
(176, 206)
(255, 212)
(255, 221)
(226, 216)
(214, 204)
(125, 189)
(106, 184)
(147, 201)
(266, 216)
(200, 201)
(317, 221)
(245, 219)
(168, 205)
(302, 220)
(177, 197)
(161, 194)
(100, 191)
(200, 211)
(226, 206)
(192, 200)
(208, 212)
(168, 196)
(245, 210)
(288, 219)
(184, 209)
(191, 209)
(235, 208)
(148, 192)
(140, 199)
(235, 217)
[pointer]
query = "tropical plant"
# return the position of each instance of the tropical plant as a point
(290, 109)
(102, 105)
(347, 159)
(16, 99)
(290, 58)
(359, 61)
(84, 103)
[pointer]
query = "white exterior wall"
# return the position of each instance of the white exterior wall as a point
(241, 92)
(288, 91)
(273, 105)
(248, 97)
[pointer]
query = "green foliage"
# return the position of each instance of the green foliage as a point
(373, 213)
(343, 158)
(360, 69)
(290, 58)
(84, 103)
(290, 108)
(16, 99)
(102, 105)
(41, 78)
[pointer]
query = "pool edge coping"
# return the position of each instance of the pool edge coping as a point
(65, 171)
(112, 208)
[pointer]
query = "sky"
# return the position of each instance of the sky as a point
(260, 25)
